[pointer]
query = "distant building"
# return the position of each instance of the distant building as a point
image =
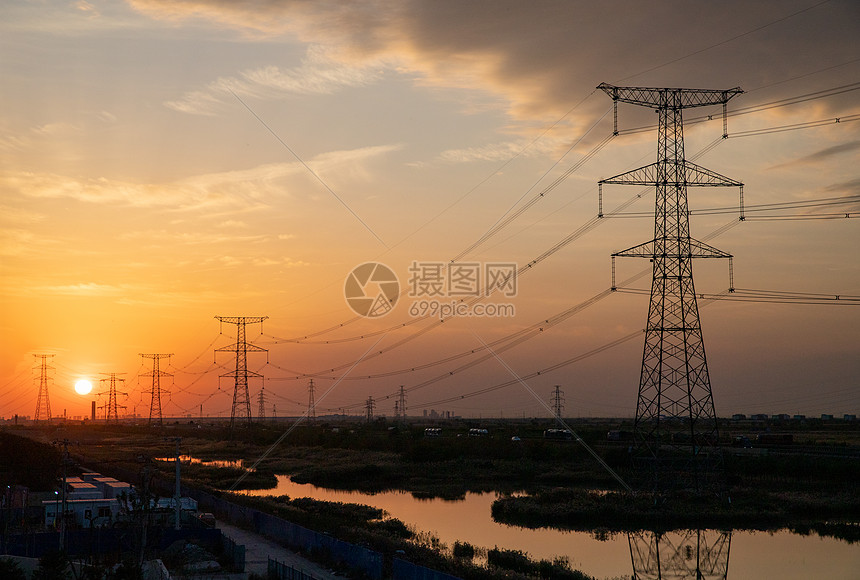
(759, 417)
(738, 417)
(85, 513)
(799, 417)
(848, 417)
(92, 501)
(781, 417)
(826, 417)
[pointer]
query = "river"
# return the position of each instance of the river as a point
(753, 554)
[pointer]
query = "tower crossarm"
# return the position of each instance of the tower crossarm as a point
(241, 372)
(241, 319)
(697, 250)
(671, 98)
(694, 176)
(247, 346)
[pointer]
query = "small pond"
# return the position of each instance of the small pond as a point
(738, 554)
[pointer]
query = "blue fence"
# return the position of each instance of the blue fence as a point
(296, 537)
(281, 571)
(404, 570)
(78, 543)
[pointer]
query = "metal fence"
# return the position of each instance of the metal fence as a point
(281, 571)
(363, 560)
(403, 570)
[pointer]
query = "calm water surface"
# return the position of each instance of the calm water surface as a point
(740, 554)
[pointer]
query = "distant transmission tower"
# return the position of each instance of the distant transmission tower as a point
(155, 391)
(558, 402)
(675, 431)
(241, 398)
(312, 406)
(401, 403)
(368, 406)
(261, 401)
(111, 407)
(43, 404)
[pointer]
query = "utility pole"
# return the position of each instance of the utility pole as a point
(558, 402)
(111, 406)
(675, 431)
(368, 406)
(155, 391)
(241, 399)
(43, 404)
(62, 514)
(312, 406)
(177, 494)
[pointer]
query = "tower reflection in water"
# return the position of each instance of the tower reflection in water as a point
(682, 554)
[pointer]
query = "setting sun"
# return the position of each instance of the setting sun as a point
(83, 387)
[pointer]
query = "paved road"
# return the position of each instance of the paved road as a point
(258, 550)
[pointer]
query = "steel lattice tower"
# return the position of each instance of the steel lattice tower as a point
(241, 398)
(261, 404)
(368, 407)
(675, 431)
(557, 402)
(156, 374)
(111, 407)
(312, 406)
(401, 403)
(43, 404)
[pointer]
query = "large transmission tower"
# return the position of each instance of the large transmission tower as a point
(155, 391)
(241, 398)
(675, 431)
(43, 404)
(111, 407)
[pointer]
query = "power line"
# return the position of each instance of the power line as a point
(728, 40)
(311, 171)
(830, 92)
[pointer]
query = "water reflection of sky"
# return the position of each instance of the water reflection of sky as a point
(213, 463)
(753, 554)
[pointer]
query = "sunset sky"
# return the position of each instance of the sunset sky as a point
(166, 162)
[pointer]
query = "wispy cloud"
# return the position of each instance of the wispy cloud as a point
(167, 238)
(234, 189)
(820, 156)
(19, 216)
(534, 59)
(82, 289)
(318, 74)
(829, 152)
(501, 151)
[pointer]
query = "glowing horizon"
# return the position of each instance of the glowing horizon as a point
(169, 162)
